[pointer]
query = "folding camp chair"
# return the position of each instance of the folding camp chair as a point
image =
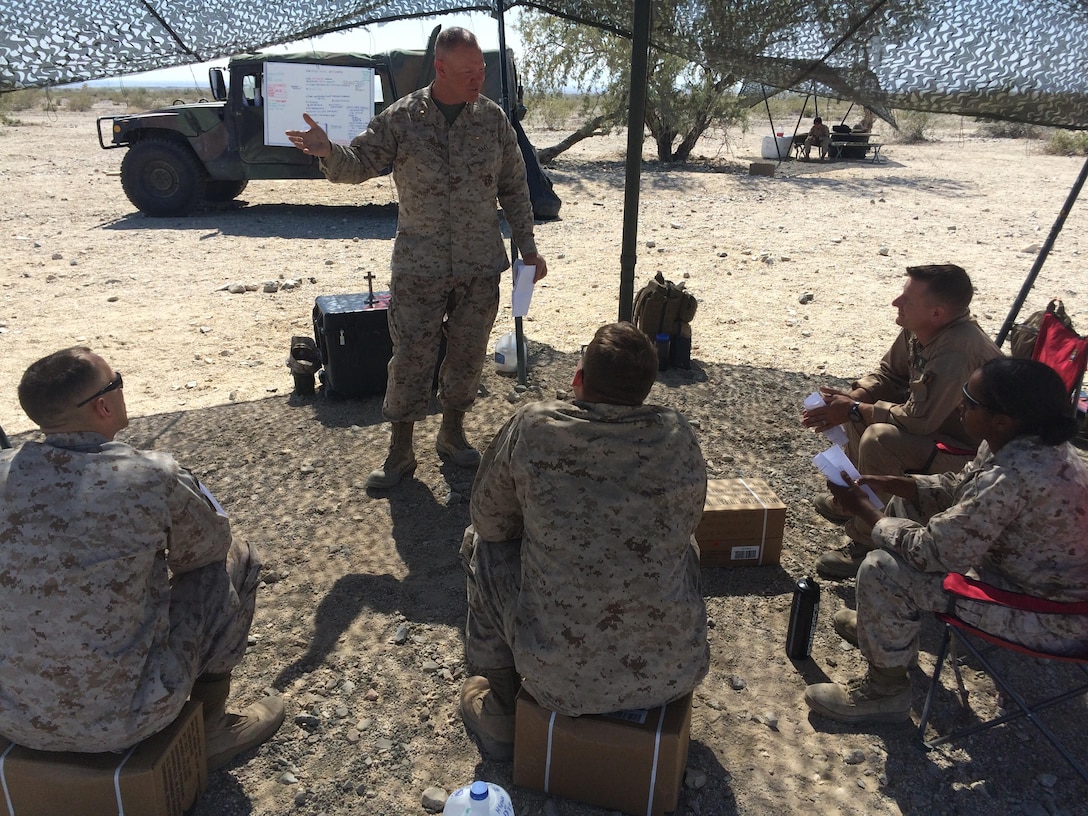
(1063, 350)
(960, 586)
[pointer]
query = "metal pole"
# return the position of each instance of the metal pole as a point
(1059, 222)
(636, 121)
(508, 106)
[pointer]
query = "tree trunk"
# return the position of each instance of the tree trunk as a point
(591, 128)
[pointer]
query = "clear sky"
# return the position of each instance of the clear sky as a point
(402, 34)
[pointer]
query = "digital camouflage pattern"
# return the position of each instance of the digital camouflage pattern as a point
(99, 650)
(1017, 517)
(583, 571)
(449, 250)
(415, 327)
(448, 179)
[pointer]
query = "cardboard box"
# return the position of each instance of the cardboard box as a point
(162, 776)
(631, 761)
(760, 169)
(742, 524)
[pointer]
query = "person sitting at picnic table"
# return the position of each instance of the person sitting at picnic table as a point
(818, 134)
(1015, 517)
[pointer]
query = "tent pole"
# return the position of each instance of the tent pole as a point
(1059, 222)
(770, 118)
(636, 121)
(508, 106)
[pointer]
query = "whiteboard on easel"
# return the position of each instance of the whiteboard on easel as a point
(340, 98)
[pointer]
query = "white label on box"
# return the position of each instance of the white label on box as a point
(632, 715)
(744, 553)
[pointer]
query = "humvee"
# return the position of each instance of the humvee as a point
(185, 155)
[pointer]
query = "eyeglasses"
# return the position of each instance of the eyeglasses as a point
(974, 403)
(112, 385)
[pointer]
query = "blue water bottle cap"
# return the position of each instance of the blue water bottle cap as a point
(478, 791)
(662, 337)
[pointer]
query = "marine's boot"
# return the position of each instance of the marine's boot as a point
(487, 707)
(451, 443)
(843, 562)
(400, 462)
(846, 625)
(881, 695)
(228, 733)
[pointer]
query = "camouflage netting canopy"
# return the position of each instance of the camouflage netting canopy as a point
(1025, 60)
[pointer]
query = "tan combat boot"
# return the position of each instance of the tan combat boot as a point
(487, 707)
(843, 562)
(451, 443)
(226, 733)
(400, 462)
(882, 695)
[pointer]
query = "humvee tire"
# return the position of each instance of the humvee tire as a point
(217, 191)
(162, 177)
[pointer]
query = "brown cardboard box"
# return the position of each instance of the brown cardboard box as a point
(629, 761)
(163, 776)
(760, 169)
(742, 524)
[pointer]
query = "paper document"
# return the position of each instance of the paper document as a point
(212, 500)
(836, 434)
(832, 462)
(523, 287)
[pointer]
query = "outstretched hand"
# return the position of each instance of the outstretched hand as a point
(312, 142)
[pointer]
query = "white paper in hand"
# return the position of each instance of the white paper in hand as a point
(523, 287)
(832, 462)
(836, 434)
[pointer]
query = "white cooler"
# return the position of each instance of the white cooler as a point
(767, 150)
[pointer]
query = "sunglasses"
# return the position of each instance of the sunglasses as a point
(974, 403)
(112, 385)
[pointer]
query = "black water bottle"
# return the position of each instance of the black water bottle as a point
(803, 614)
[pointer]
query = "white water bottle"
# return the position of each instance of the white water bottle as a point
(479, 799)
(506, 353)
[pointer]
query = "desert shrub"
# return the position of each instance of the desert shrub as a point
(80, 99)
(1067, 143)
(1008, 130)
(20, 100)
(912, 126)
(553, 111)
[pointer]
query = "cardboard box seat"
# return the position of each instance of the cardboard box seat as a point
(631, 761)
(161, 776)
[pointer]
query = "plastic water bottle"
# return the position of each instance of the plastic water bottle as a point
(506, 355)
(479, 799)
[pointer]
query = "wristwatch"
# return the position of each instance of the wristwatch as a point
(855, 411)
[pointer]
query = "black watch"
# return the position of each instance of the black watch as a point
(855, 411)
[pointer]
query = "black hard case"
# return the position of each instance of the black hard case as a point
(352, 334)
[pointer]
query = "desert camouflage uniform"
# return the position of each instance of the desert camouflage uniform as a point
(916, 397)
(1018, 518)
(119, 585)
(449, 250)
(583, 572)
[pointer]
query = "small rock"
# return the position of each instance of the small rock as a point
(308, 721)
(401, 636)
(1047, 780)
(287, 778)
(270, 286)
(855, 757)
(550, 808)
(885, 250)
(371, 695)
(807, 297)
(236, 288)
(694, 778)
(737, 682)
(57, 256)
(301, 797)
(434, 799)
(430, 666)
(112, 299)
